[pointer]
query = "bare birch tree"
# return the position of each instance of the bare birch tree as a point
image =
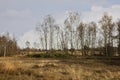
(70, 24)
(81, 30)
(107, 27)
(118, 29)
(92, 36)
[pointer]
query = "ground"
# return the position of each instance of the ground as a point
(21, 68)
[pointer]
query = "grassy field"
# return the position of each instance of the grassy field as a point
(14, 68)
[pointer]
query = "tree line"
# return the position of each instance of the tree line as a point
(8, 45)
(73, 36)
(91, 38)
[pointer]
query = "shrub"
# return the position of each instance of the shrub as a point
(51, 55)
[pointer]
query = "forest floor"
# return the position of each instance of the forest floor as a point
(21, 68)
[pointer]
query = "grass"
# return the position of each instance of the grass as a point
(57, 66)
(57, 69)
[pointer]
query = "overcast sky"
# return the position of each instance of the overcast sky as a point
(19, 17)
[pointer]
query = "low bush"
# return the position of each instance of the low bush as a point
(51, 55)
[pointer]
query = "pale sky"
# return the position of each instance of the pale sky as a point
(19, 17)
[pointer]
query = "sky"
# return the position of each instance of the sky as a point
(20, 17)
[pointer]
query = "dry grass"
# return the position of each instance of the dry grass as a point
(8, 67)
(36, 69)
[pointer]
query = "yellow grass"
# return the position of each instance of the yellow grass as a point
(7, 67)
(44, 69)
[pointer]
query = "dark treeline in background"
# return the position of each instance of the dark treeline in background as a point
(8, 45)
(72, 37)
